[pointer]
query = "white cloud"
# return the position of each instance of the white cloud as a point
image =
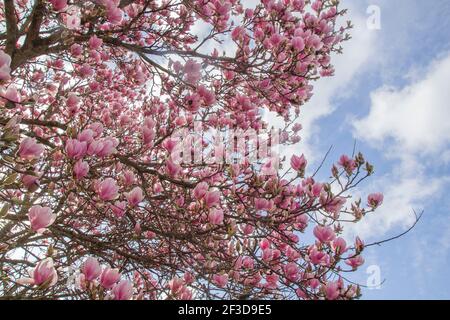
(410, 126)
(403, 194)
(415, 117)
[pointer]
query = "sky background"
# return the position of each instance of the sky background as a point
(391, 94)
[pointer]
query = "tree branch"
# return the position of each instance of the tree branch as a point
(11, 27)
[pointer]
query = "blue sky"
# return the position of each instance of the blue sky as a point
(391, 94)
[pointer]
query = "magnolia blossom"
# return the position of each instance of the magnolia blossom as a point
(123, 290)
(192, 71)
(91, 269)
(339, 245)
(220, 280)
(80, 169)
(318, 257)
(291, 271)
(261, 204)
(5, 63)
(216, 216)
(107, 189)
(355, 262)
(200, 190)
(95, 43)
(175, 285)
(29, 149)
(76, 149)
(324, 234)
(348, 164)
(135, 196)
(31, 182)
(332, 290)
(212, 198)
(11, 94)
(43, 275)
(109, 278)
(40, 218)
(118, 208)
(114, 15)
(172, 168)
(59, 5)
(298, 163)
(375, 200)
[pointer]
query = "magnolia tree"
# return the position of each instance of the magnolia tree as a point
(98, 199)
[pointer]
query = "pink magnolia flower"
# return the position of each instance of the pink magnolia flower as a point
(76, 149)
(109, 277)
(95, 43)
(291, 271)
(192, 71)
(264, 244)
(209, 98)
(276, 39)
(339, 245)
(148, 134)
(40, 218)
(186, 294)
(95, 147)
(29, 149)
(355, 262)
(135, 196)
(216, 216)
(72, 101)
(172, 168)
(72, 19)
(86, 71)
(114, 15)
(175, 285)
(267, 255)
(31, 182)
(107, 190)
(298, 43)
(220, 280)
(200, 190)
(91, 269)
(248, 263)
(324, 234)
(261, 204)
(80, 169)
(5, 66)
(298, 163)
(87, 135)
(107, 147)
(12, 94)
(43, 275)
(59, 5)
(123, 290)
(348, 164)
(375, 200)
(332, 291)
(76, 49)
(272, 281)
(359, 244)
(128, 178)
(170, 144)
(315, 42)
(118, 208)
(238, 33)
(212, 198)
(318, 257)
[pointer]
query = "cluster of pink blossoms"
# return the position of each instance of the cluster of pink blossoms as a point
(91, 100)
